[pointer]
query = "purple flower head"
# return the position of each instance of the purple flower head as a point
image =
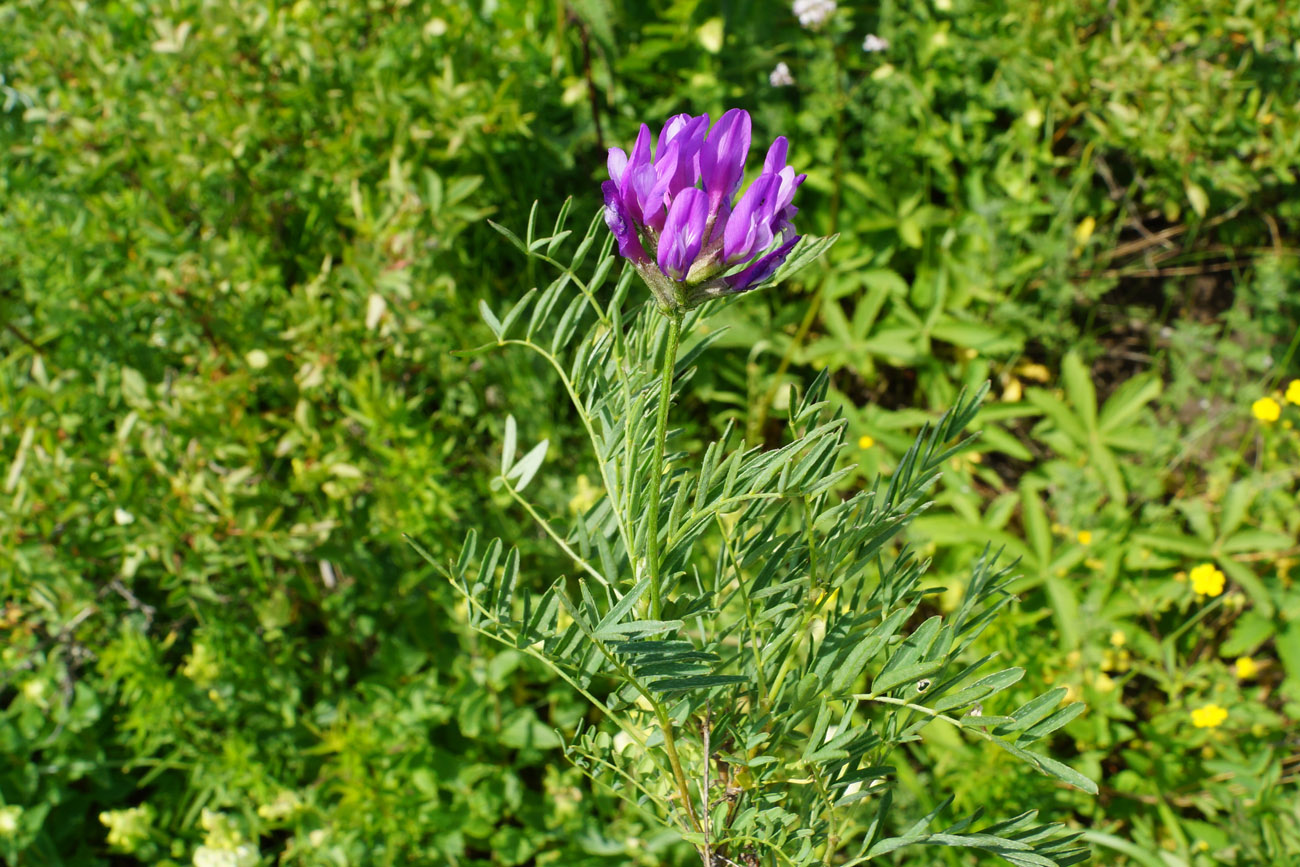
(675, 214)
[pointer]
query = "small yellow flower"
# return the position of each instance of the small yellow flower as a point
(865, 442)
(1085, 537)
(1267, 410)
(1293, 392)
(1118, 638)
(1105, 683)
(1207, 580)
(1209, 717)
(1084, 230)
(1246, 668)
(1036, 372)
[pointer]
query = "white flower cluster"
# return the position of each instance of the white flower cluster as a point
(780, 76)
(812, 14)
(874, 43)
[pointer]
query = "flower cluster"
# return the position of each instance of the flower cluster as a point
(780, 76)
(812, 14)
(675, 215)
(874, 44)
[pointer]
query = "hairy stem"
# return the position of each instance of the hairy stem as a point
(656, 464)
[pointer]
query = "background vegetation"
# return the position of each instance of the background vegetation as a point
(240, 240)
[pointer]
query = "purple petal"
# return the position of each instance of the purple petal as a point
(639, 157)
(789, 183)
(683, 233)
(722, 159)
(679, 152)
(616, 163)
(749, 228)
(775, 160)
(667, 168)
(763, 268)
(671, 128)
(639, 194)
(619, 222)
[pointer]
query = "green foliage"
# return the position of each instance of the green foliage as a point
(235, 246)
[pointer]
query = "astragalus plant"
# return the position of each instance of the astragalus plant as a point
(752, 635)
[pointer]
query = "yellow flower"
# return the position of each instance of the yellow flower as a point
(1246, 668)
(1207, 580)
(1036, 372)
(1118, 638)
(1209, 716)
(1085, 537)
(1293, 392)
(1084, 230)
(865, 442)
(1266, 409)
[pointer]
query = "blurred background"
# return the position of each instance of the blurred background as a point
(240, 240)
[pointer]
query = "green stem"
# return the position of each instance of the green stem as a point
(657, 464)
(652, 547)
(679, 774)
(555, 537)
